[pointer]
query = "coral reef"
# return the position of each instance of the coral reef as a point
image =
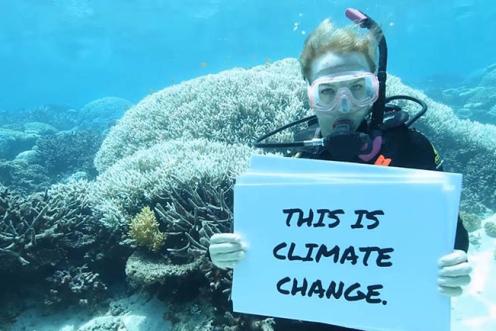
(231, 112)
(67, 152)
(178, 152)
(145, 270)
(235, 106)
(25, 224)
(144, 229)
(52, 158)
(471, 222)
(12, 142)
(219, 283)
(190, 185)
(102, 113)
(150, 175)
(59, 117)
(193, 215)
(490, 228)
(24, 176)
(57, 235)
(181, 162)
(474, 99)
(39, 128)
(466, 147)
(75, 285)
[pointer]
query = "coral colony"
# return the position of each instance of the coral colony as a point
(162, 184)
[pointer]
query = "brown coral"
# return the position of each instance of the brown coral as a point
(193, 215)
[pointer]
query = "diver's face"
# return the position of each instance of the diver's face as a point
(345, 113)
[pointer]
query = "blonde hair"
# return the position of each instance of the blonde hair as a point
(327, 38)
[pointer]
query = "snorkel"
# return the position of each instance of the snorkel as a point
(345, 144)
(366, 22)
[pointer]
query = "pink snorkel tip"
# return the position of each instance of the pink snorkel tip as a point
(355, 15)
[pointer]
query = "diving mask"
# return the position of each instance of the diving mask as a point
(350, 91)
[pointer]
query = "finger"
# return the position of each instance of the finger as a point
(456, 257)
(451, 291)
(234, 238)
(219, 238)
(235, 256)
(453, 281)
(461, 269)
(226, 248)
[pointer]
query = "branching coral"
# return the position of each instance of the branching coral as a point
(39, 230)
(28, 224)
(75, 284)
(58, 237)
(192, 215)
(144, 229)
(69, 151)
(151, 176)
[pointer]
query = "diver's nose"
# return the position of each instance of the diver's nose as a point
(344, 104)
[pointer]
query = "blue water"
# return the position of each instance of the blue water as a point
(70, 69)
(69, 52)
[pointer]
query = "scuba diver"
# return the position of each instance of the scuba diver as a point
(346, 79)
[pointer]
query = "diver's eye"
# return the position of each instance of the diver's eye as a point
(357, 87)
(327, 91)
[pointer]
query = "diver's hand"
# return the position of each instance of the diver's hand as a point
(454, 272)
(226, 249)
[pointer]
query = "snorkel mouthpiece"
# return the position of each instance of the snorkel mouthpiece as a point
(355, 15)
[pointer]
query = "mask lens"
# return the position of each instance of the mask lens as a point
(360, 89)
(327, 94)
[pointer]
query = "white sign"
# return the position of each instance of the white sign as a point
(350, 247)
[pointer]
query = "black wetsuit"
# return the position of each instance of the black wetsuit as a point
(406, 148)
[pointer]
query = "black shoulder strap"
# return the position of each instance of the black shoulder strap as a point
(393, 119)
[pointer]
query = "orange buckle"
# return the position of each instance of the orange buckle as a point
(382, 161)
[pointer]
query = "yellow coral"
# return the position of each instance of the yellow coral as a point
(144, 230)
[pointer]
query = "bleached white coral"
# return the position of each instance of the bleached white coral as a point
(466, 147)
(240, 105)
(234, 106)
(149, 173)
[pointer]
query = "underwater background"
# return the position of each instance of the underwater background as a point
(124, 123)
